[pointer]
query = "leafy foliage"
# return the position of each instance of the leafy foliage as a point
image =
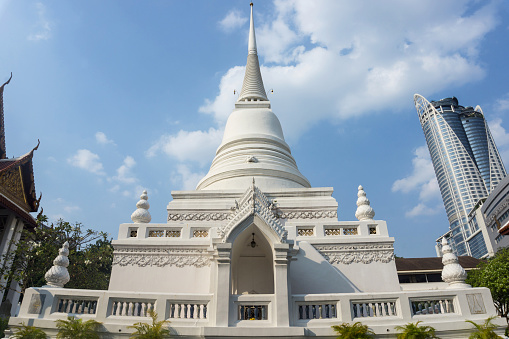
(90, 255)
(494, 274)
(28, 332)
(353, 331)
(4, 322)
(74, 328)
(158, 329)
(484, 331)
(414, 331)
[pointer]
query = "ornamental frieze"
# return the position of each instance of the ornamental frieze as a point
(210, 216)
(307, 214)
(160, 257)
(11, 182)
(360, 254)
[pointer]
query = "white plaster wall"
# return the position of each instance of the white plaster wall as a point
(167, 279)
(372, 277)
(311, 273)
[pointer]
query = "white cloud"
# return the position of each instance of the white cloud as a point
(502, 104)
(88, 161)
(124, 173)
(43, 25)
(356, 61)
(423, 180)
(234, 19)
(185, 177)
(422, 209)
(102, 139)
(195, 146)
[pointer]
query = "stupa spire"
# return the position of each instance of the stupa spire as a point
(252, 87)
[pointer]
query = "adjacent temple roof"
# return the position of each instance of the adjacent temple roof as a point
(431, 264)
(17, 184)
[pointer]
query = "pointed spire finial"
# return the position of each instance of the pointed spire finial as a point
(452, 273)
(142, 215)
(364, 211)
(3, 151)
(252, 87)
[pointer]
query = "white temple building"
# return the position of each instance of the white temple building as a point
(255, 251)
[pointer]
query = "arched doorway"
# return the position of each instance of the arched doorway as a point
(252, 265)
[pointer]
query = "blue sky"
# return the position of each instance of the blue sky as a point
(131, 95)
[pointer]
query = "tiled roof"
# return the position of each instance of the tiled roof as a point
(431, 264)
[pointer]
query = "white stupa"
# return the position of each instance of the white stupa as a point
(255, 251)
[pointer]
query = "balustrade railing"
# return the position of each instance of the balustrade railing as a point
(252, 312)
(366, 308)
(317, 311)
(76, 306)
(188, 310)
(432, 306)
(125, 308)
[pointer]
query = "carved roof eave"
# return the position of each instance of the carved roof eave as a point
(25, 164)
(19, 211)
(253, 203)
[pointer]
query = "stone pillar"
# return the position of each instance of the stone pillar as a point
(13, 295)
(222, 284)
(281, 308)
(9, 244)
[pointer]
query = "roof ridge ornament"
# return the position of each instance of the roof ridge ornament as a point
(364, 211)
(252, 87)
(452, 273)
(142, 215)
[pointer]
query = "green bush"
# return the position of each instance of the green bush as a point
(28, 332)
(74, 328)
(156, 330)
(414, 331)
(4, 322)
(355, 331)
(484, 331)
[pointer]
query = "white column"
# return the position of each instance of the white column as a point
(281, 308)
(10, 246)
(13, 295)
(10, 227)
(223, 284)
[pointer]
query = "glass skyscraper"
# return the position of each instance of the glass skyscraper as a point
(466, 162)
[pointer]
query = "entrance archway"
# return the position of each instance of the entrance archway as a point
(252, 265)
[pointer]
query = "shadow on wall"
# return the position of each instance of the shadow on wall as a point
(311, 273)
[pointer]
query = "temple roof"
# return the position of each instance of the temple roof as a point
(17, 184)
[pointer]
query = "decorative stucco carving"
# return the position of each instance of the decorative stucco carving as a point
(11, 181)
(253, 202)
(207, 216)
(357, 253)
(307, 214)
(160, 257)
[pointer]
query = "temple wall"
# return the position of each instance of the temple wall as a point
(166, 279)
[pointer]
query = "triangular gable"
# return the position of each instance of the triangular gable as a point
(253, 202)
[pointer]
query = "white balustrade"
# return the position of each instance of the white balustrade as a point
(373, 308)
(317, 311)
(432, 306)
(76, 306)
(127, 308)
(188, 310)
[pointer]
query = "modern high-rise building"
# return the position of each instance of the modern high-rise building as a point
(467, 164)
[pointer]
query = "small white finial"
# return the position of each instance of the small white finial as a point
(364, 211)
(142, 215)
(57, 275)
(452, 273)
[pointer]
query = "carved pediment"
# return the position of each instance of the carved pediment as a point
(253, 202)
(11, 185)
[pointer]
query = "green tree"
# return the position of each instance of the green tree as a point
(90, 255)
(414, 331)
(156, 330)
(353, 331)
(484, 331)
(494, 274)
(28, 332)
(74, 328)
